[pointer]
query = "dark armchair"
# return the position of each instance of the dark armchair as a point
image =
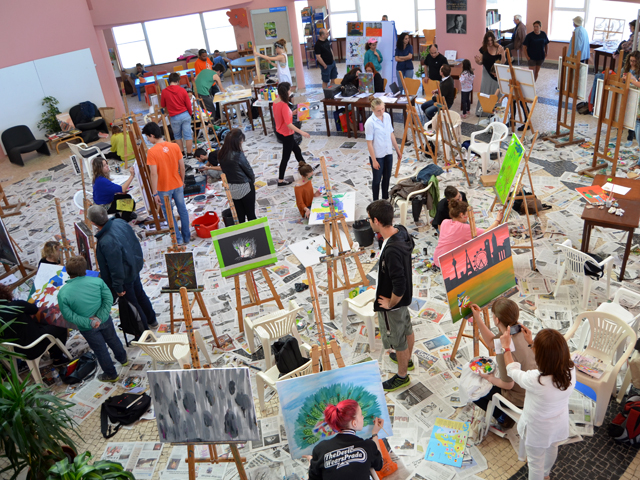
(85, 123)
(18, 140)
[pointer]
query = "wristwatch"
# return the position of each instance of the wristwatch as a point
(505, 350)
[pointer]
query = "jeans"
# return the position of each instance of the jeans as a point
(430, 109)
(540, 460)
(181, 126)
(381, 174)
(98, 340)
(592, 97)
(407, 73)
(483, 402)
(183, 235)
(136, 296)
(246, 206)
(329, 73)
(466, 102)
(288, 145)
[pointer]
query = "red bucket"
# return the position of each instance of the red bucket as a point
(205, 224)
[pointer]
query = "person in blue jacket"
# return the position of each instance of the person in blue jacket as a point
(111, 195)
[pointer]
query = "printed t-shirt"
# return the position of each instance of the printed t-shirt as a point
(166, 157)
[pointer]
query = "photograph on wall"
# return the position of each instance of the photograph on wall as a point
(355, 50)
(203, 405)
(82, 239)
(459, 5)
(7, 253)
(478, 271)
(456, 23)
(355, 29)
(270, 30)
(181, 270)
(373, 29)
(244, 247)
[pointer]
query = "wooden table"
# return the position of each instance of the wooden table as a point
(595, 217)
(227, 101)
(606, 53)
(60, 141)
(245, 64)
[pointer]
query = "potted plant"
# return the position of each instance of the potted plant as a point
(81, 470)
(49, 122)
(420, 72)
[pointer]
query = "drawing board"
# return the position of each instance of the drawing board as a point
(630, 114)
(82, 239)
(523, 75)
(344, 203)
(582, 81)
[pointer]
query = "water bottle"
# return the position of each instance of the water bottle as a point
(56, 376)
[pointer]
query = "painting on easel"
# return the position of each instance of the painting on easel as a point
(213, 405)
(244, 247)
(509, 168)
(82, 238)
(181, 270)
(478, 271)
(7, 253)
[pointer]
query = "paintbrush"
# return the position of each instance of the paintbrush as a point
(385, 432)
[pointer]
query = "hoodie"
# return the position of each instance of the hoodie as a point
(394, 269)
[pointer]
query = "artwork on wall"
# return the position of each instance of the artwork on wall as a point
(238, 17)
(355, 50)
(7, 253)
(509, 168)
(82, 238)
(203, 405)
(373, 29)
(303, 400)
(460, 5)
(181, 270)
(344, 203)
(270, 30)
(478, 271)
(355, 29)
(244, 247)
(456, 23)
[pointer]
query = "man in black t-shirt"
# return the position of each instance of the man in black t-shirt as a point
(324, 57)
(433, 62)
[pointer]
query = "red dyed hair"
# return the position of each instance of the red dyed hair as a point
(338, 416)
(370, 65)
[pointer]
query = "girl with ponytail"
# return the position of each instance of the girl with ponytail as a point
(280, 61)
(345, 455)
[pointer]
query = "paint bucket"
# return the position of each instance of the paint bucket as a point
(205, 224)
(362, 233)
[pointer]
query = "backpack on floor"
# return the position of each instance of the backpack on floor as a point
(130, 320)
(287, 354)
(82, 368)
(625, 427)
(123, 410)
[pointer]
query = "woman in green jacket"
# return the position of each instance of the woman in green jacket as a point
(372, 54)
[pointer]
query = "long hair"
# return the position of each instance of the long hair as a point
(370, 65)
(466, 66)
(49, 248)
(6, 293)
(283, 91)
(400, 44)
(338, 416)
(506, 311)
(485, 41)
(553, 358)
(96, 167)
(627, 62)
(232, 143)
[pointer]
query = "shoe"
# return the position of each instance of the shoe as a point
(631, 136)
(134, 94)
(60, 362)
(284, 183)
(126, 362)
(103, 377)
(153, 325)
(394, 359)
(395, 383)
(521, 129)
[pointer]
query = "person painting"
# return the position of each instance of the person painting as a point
(378, 82)
(381, 141)
(536, 48)
(111, 195)
(372, 54)
(280, 60)
(457, 231)
(117, 145)
(332, 458)
(51, 253)
(240, 176)
(304, 190)
(203, 62)
(442, 212)
(404, 57)
(490, 53)
(284, 131)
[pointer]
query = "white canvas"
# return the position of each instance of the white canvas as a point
(630, 114)
(523, 75)
(582, 82)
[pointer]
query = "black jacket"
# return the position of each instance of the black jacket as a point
(237, 168)
(447, 90)
(394, 269)
(378, 83)
(119, 254)
(344, 457)
(352, 78)
(442, 213)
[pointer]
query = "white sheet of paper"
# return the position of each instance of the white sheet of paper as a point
(497, 346)
(619, 189)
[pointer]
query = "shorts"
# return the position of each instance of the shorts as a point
(181, 126)
(535, 63)
(399, 322)
(329, 73)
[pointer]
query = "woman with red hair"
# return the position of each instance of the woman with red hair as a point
(345, 455)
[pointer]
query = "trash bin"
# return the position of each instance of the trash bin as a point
(205, 224)
(109, 114)
(363, 233)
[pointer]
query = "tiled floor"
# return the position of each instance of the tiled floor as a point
(595, 457)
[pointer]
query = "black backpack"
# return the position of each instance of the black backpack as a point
(124, 410)
(130, 320)
(287, 354)
(86, 366)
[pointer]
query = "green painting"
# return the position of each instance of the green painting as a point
(509, 168)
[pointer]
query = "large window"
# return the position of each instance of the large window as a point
(220, 33)
(299, 5)
(561, 17)
(170, 37)
(426, 10)
(564, 11)
(403, 12)
(509, 9)
(341, 12)
(132, 45)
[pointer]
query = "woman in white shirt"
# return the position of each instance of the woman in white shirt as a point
(381, 141)
(544, 423)
(280, 60)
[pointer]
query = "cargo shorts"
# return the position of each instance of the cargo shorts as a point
(395, 326)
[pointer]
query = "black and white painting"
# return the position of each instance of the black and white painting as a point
(456, 23)
(204, 405)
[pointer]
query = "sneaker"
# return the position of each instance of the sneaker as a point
(521, 129)
(153, 325)
(394, 359)
(284, 183)
(395, 383)
(103, 377)
(125, 363)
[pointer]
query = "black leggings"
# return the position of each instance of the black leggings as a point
(288, 145)
(246, 206)
(112, 156)
(126, 216)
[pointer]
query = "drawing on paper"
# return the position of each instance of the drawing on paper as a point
(355, 50)
(355, 29)
(448, 442)
(181, 270)
(344, 203)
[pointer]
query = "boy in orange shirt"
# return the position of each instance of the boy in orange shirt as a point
(167, 177)
(202, 62)
(304, 190)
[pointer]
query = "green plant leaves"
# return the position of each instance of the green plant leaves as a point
(81, 470)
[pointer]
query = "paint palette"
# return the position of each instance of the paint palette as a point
(482, 365)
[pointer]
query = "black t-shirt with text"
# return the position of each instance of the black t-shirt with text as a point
(344, 457)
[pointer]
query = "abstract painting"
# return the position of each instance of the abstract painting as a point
(82, 238)
(355, 50)
(303, 400)
(478, 271)
(355, 29)
(373, 29)
(509, 168)
(203, 405)
(181, 270)
(344, 203)
(7, 253)
(244, 247)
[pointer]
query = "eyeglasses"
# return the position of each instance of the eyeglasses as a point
(369, 219)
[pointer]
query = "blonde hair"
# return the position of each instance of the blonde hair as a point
(49, 248)
(282, 43)
(376, 102)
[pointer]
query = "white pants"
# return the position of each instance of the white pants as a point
(541, 460)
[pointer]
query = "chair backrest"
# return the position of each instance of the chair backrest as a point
(413, 85)
(429, 36)
(608, 332)
(384, 84)
(278, 324)
(455, 93)
(574, 259)
(305, 369)
(499, 132)
(362, 299)
(150, 89)
(338, 81)
(191, 64)
(429, 86)
(162, 72)
(16, 137)
(160, 351)
(177, 68)
(488, 103)
(149, 74)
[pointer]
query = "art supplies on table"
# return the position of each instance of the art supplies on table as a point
(593, 194)
(588, 364)
(448, 442)
(484, 365)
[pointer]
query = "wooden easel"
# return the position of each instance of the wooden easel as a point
(568, 90)
(14, 206)
(615, 90)
(323, 350)
(197, 299)
(67, 250)
(195, 363)
(26, 269)
(92, 240)
(476, 337)
(174, 248)
(124, 96)
(517, 102)
(252, 288)
(335, 251)
(205, 122)
(447, 134)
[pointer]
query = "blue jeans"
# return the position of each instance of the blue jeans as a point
(177, 194)
(181, 126)
(430, 109)
(329, 73)
(98, 340)
(137, 297)
(407, 73)
(592, 97)
(381, 174)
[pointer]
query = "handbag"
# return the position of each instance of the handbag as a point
(349, 90)
(82, 368)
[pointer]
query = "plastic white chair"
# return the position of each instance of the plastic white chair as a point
(574, 262)
(404, 203)
(498, 401)
(272, 327)
(499, 132)
(362, 306)
(34, 365)
(270, 377)
(614, 308)
(170, 348)
(607, 334)
(86, 153)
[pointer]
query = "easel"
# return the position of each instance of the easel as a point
(322, 350)
(446, 132)
(485, 313)
(174, 248)
(124, 96)
(205, 122)
(67, 250)
(26, 269)
(15, 206)
(127, 120)
(517, 102)
(569, 80)
(335, 251)
(615, 90)
(252, 288)
(92, 240)
(195, 363)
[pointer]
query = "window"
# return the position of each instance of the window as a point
(170, 37)
(562, 15)
(402, 12)
(564, 11)
(132, 46)
(299, 5)
(610, 9)
(408, 15)
(220, 33)
(338, 23)
(509, 9)
(426, 14)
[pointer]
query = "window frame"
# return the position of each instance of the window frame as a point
(582, 11)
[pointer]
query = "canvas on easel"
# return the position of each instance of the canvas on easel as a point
(7, 252)
(509, 168)
(84, 245)
(181, 270)
(9, 256)
(9, 209)
(519, 85)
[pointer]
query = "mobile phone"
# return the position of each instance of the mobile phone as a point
(517, 328)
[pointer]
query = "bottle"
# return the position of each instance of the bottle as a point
(56, 376)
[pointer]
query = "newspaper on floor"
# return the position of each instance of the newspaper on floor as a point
(89, 398)
(431, 471)
(139, 458)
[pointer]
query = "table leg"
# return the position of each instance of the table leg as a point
(226, 114)
(585, 237)
(264, 125)
(326, 119)
(596, 62)
(138, 89)
(627, 249)
(248, 102)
